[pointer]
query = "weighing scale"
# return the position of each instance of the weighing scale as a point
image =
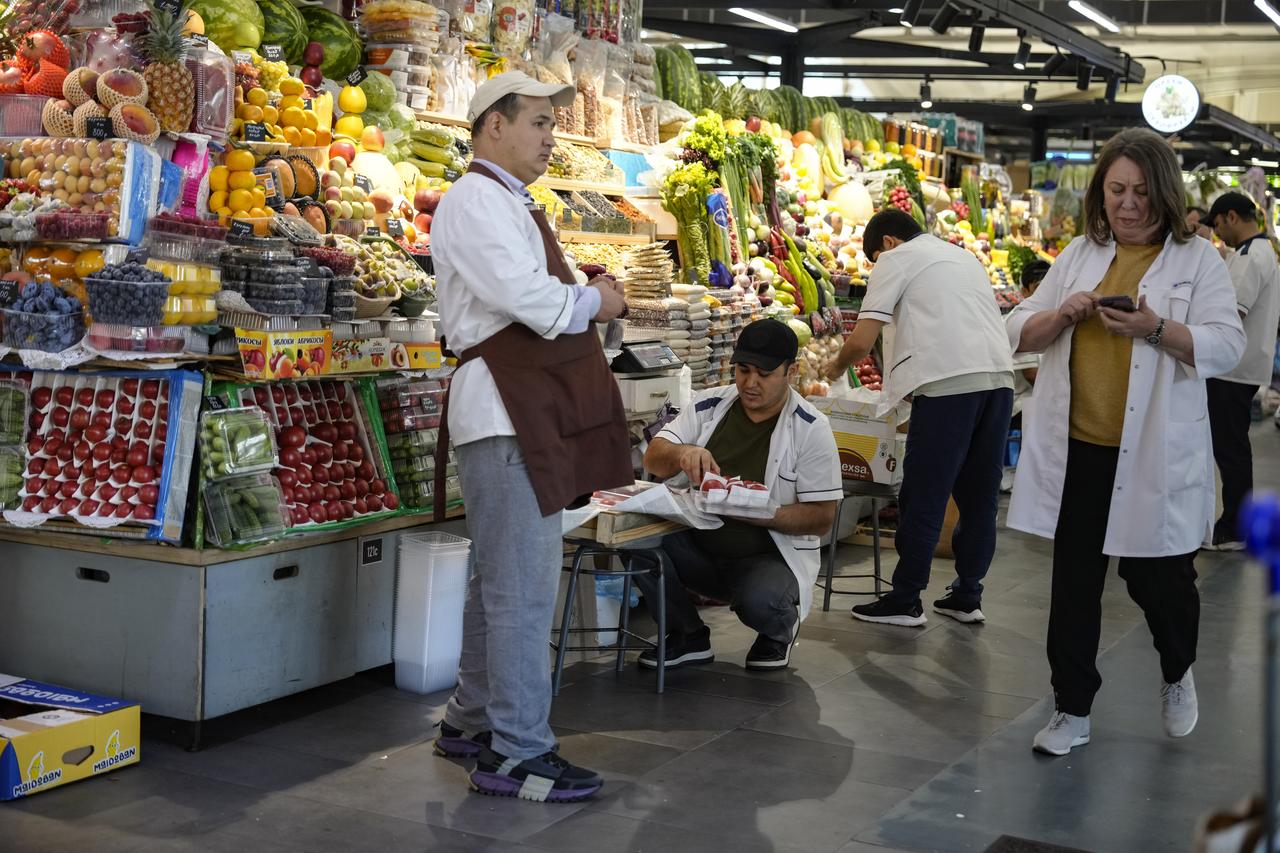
(648, 375)
(645, 359)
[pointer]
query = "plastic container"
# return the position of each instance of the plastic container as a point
(315, 292)
(318, 155)
(419, 495)
(124, 338)
(343, 299)
(45, 332)
(11, 467)
(338, 261)
(274, 274)
(342, 314)
(275, 307)
(399, 76)
(132, 303)
(190, 310)
(431, 584)
(424, 395)
(243, 510)
(402, 420)
(257, 290)
(20, 115)
(413, 443)
(417, 97)
(236, 441)
(396, 54)
(14, 408)
(182, 247)
(73, 225)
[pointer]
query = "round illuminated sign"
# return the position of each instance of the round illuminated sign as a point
(1170, 103)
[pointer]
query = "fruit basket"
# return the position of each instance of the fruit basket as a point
(244, 510)
(119, 337)
(236, 441)
(367, 307)
(133, 303)
(45, 331)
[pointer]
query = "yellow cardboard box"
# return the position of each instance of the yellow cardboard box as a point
(285, 355)
(51, 736)
(366, 356)
(416, 356)
(869, 444)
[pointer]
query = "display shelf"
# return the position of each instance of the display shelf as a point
(609, 239)
(628, 147)
(459, 121)
(967, 155)
(571, 186)
(159, 553)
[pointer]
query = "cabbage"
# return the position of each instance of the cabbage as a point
(803, 333)
(379, 91)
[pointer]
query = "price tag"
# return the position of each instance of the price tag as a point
(270, 52)
(199, 40)
(9, 291)
(371, 552)
(372, 231)
(308, 104)
(395, 227)
(451, 175)
(214, 403)
(99, 127)
(255, 132)
(355, 78)
(238, 56)
(363, 182)
(170, 6)
(240, 228)
(138, 256)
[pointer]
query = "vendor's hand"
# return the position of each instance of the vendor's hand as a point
(612, 303)
(695, 462)
(1078, 307)
(834, 371)
(1130, 324)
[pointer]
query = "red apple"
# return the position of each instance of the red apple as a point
(344, 149)
(422, 223)
(334, 511)
(89, 506)
(31, 503)
(124, 510)
(317, 513)
(150, 388)
(149, 494)
(69, 506)
(332, 493)
(101, 452)
(120, 475)
(125, 406)
(106, 510)
(147, 410)
(142, 512)
(88, 488)
(52, 467)
(324, 454)
(123, 425)
(41, 396)
(144, 474)
(79, 419)
(426, 200)
(60, 417)
(105, 398)
(374, 503)
(128, 493)
(49, 504)
(304, 474)
(377, 487)
(67, 489)
(83, 451)
(390, 501)
(106, 492)
(130, 387)
(118, 455)
(348, 490)
(64, 395)
(142, 429)
(102, 473)
(308, 456)
(35, 467)
(340, 451)
(361, 506)
(361, 487)
(35, 421)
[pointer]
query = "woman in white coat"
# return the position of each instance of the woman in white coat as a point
(1131, 320)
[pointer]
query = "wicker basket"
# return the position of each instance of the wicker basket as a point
(367, 307)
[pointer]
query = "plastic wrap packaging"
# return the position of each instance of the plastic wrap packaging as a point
(101, 50)
(214, 77)
(590, 66)
(614, 94)
(555, 41)
(454, 87)
(473, 17)
(513, 26)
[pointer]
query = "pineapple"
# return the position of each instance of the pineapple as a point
(171, 90)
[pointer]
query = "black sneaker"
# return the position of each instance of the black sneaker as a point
(889, 612)
(767, 653)
(545, 779)
(960, 608)
(682, 651)
(455, 743)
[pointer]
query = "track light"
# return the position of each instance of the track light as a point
(1029, 97)
(926, 95)
(1270, 11)
(976, 32)
(1094, 15)
(943, 18)
(910, 12)
(1113, 88)
(1053, 64)
(1020, 58)
(766, 19)
(1084, 76)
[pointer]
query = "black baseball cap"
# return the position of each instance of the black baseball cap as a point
(1240, 203)
(766, 344)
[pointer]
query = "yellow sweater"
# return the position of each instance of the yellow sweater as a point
(1100, 360)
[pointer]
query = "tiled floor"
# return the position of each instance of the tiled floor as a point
(879, 739)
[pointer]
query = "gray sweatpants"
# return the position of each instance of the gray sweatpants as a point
(504, 679)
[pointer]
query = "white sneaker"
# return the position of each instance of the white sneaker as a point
(1180, 708)
(1063, 734)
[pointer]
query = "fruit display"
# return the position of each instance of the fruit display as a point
(44, 317)
(412, 451)
(128, 293)
(338, 38)
(382, 269)
(235, 442)
(231, 24)
(235, 192)
(244, 510)
(347, 203)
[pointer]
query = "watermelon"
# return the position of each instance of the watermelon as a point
(794, 115)
(221, 17)
(342, 48)
(685, 87)
(283, 25)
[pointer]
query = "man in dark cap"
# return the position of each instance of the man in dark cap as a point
(757, 429)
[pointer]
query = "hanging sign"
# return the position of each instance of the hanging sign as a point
(1170, 103)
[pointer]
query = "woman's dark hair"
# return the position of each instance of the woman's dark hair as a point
(1033, 273)
(1165, 193)
(890, 222)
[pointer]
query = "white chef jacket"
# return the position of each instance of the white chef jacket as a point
(491, 271)
(1163, 500)
(803, 467)
(1256, 276)
(946, 321)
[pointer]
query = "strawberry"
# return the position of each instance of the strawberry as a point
(46, 80)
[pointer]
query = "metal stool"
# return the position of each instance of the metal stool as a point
(877, 492)
(651, 560)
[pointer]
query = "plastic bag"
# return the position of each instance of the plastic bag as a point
(555, 42)
(474, 19)
(590, 65)
(513, 27)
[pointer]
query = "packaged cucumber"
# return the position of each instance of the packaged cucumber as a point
(245, 509)
(234, 442)
(13, 412)
(11, 466)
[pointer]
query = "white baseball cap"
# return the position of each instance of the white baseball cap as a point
(517, 83)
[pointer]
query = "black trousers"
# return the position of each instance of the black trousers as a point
(1229, 419)
(760, 589)
(1164, 587)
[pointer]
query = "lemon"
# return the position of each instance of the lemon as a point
(352, 100)
(310, 120)
(256, 96)
(293, 117)
(240, 201)
(239, 160)
(259, 197)
(270, 115)
(308, 137)
(349, 125)
(259, 213)
(290, 101)
(218, 199)
(250, 113)
(291, 86)
(293, 136)
(242, 180)
(218, 180)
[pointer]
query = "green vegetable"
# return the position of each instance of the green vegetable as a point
(684, 196)
(707, 136)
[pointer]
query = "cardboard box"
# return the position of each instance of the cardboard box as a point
(416, 356)
(352, 356)
(869, 445)
(285, 355)
(52, 736)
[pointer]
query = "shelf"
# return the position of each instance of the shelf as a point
(967, 155)
(571, 186)
(609, 239)
(628, 147)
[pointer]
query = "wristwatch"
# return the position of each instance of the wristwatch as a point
(1155, 337)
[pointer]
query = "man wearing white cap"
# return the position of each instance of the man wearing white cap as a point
(537, 422)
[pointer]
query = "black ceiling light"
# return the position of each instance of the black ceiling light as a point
(1084, 75)
(1113, 88)
(926, 95)
(1053, 64)
(910, 13)
(976, 33)
(1029, 97)
(1024, 52)
(943, 18)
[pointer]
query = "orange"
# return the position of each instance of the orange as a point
(217, 200)
(270, 115)
(242, 180)
(311, 120)
(293, 136)
(88, 262)
(293, 117)
(218, 178)
(256, 96)
(239, 160)
(259, 197)
(240, 201)
(308, 137)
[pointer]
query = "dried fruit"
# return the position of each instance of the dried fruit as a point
(121, 86)
(131, 121)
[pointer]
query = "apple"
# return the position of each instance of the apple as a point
(118, 455)
(753, 124)
(79, 419)
(105, 398)
(106, 492)
(31, 503)
(150, 388)
(83, 451)
(88, 488)
(347, 490)
(320, 474)
(124, 510)
(123, 425)
(35, 421)
(344, 149)
(40, 396)
(125, 406)
(35, 445)
(85, 396)
(60, 417)
(136, 456)
(147, 410)
(374, 503)
(120, 475)
(128, 493)
(88, 506)
(49, 504)
(35, 467)
(102, 473)
(339, 452)
(142, 512)
(390, 501)
(347, 510)
(332, 493)
(324, 454)
(67, 489)
(287, 478)
(52, 467)
(142, 429)
(317, 513)
(377, 487)
(304, 474)
(308, 456)
(106, 510)
(334, 511)
(64, 395)
(144, 474)
(149, 494)
(162, 432)
(68, 506)
(299, 515)
(361, 506)
(130, 387)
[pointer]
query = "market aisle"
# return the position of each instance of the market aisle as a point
(879, 739)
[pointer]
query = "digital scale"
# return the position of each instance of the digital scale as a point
(645, 357)
(647, 373)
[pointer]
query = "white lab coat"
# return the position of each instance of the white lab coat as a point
(1163, 501)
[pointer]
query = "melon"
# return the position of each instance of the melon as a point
(379, 92)
(283, 25)
(221, 17)
(342, 47)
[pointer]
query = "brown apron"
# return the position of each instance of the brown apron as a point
(561, 398)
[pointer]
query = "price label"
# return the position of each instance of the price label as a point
(255, 132)
(170, 6)
(240, 228)
(372, 231)
(138, 256)
(99, 127)
(214, 403)
(267, 180)
(199, 40)
(239, 56)
(355, 78)
(451, 175)
(308, 104)
(371, 552)
(363, 182)
(395, 227)
(271, 52)
(9, 291)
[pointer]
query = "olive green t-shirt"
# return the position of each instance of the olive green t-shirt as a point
(740, 447)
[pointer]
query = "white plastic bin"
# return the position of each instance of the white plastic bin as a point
(431, 589)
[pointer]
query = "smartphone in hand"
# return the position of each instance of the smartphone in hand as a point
(1118, 303)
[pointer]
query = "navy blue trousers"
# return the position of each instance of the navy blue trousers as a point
(955, 448)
